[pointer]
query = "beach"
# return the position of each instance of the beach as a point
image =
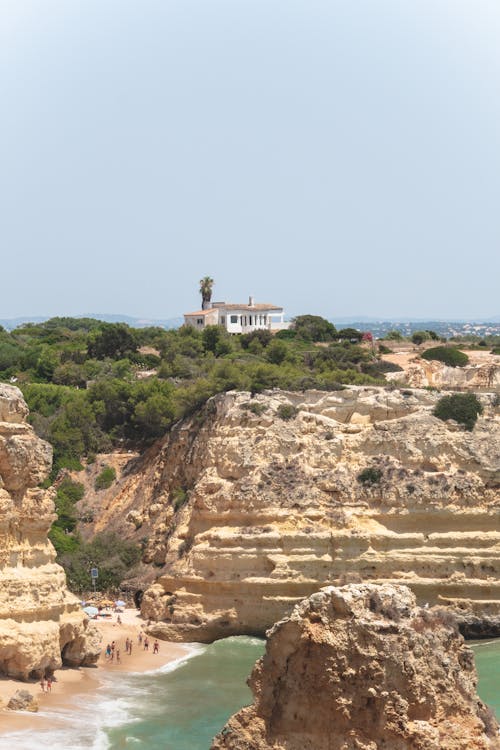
(70, 683)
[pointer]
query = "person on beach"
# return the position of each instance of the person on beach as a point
(130, 647)
(127, 645)
(108, 651)
(118, 660)
(139, 638)
(49, 684)
(119, 620)
(146, 644)
(42, 684)
(156, 647)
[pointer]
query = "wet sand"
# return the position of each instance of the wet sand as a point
(70, 683)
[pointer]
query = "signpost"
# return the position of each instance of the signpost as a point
(94, 574)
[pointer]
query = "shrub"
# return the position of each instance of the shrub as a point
(384, 349)
(446, 354)
(464, 408)
(420, 336)
(286, 411)
(369, 476)
(254, 407)
(105, 479)
(107, 551)
(179, 497)
(313, 328)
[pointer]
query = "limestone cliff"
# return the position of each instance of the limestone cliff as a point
(243, 513)
(41, 623)
(420, 373)
(362, 668)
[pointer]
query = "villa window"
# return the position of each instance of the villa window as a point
(199, 321)
(234, 318)
(249, 320)
(223, 320)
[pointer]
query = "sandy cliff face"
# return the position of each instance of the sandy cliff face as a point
(478, 376)
(362, 668)
(39, 618)
(274, 509)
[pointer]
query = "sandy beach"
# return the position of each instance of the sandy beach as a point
(72, 682)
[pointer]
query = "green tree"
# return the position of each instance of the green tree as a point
(114, 340)
(276, 352)
(314, 328)
(420, 336)
(350, 334)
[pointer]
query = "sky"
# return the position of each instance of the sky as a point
(336, 157)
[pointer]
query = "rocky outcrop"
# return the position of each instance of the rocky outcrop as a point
(22, 700)
(362, 668)
(360, 484)
(422, 373)
(242, 513)
(39, 619)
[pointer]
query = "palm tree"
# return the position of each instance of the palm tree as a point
(206, 284)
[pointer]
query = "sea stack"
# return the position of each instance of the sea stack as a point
(361, 667)
(41, 622)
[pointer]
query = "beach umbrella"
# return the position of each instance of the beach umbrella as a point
(119, 603)
(91, 611)
(106, 603)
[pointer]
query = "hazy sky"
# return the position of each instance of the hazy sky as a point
(338, 157)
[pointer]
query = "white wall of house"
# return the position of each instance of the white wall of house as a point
(238, 320)
(246, 321)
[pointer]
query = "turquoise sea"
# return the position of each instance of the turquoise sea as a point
(487, 655)
(182, 706)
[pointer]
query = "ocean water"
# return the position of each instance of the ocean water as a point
(183, 705)
(180, 706)
(487, 655)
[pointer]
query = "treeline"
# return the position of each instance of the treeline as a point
(92, 386)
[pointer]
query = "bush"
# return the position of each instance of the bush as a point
(384, 349)
(446, 354)
(313, 328)
(107, 551)
(254, 407)
(286, 411)
(464, 408)
(369, 476)
(179, 497)
(105, 479)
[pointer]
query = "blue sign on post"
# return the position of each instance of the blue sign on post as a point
(94, 573)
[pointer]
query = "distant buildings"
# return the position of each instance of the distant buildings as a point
(239, 318)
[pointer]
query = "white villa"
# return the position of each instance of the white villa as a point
(238, 318)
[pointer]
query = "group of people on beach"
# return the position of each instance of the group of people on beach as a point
(46, 683)
(112, 652)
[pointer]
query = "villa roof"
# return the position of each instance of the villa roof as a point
(201, 312)
(257, 307)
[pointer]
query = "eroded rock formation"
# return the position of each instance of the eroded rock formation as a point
(41, 623)
(422, 373)
(243, 513)
(362, 668)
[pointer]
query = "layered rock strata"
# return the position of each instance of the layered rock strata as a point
(41, 623)
(243, 513)
(362, 668)
(422, 373)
